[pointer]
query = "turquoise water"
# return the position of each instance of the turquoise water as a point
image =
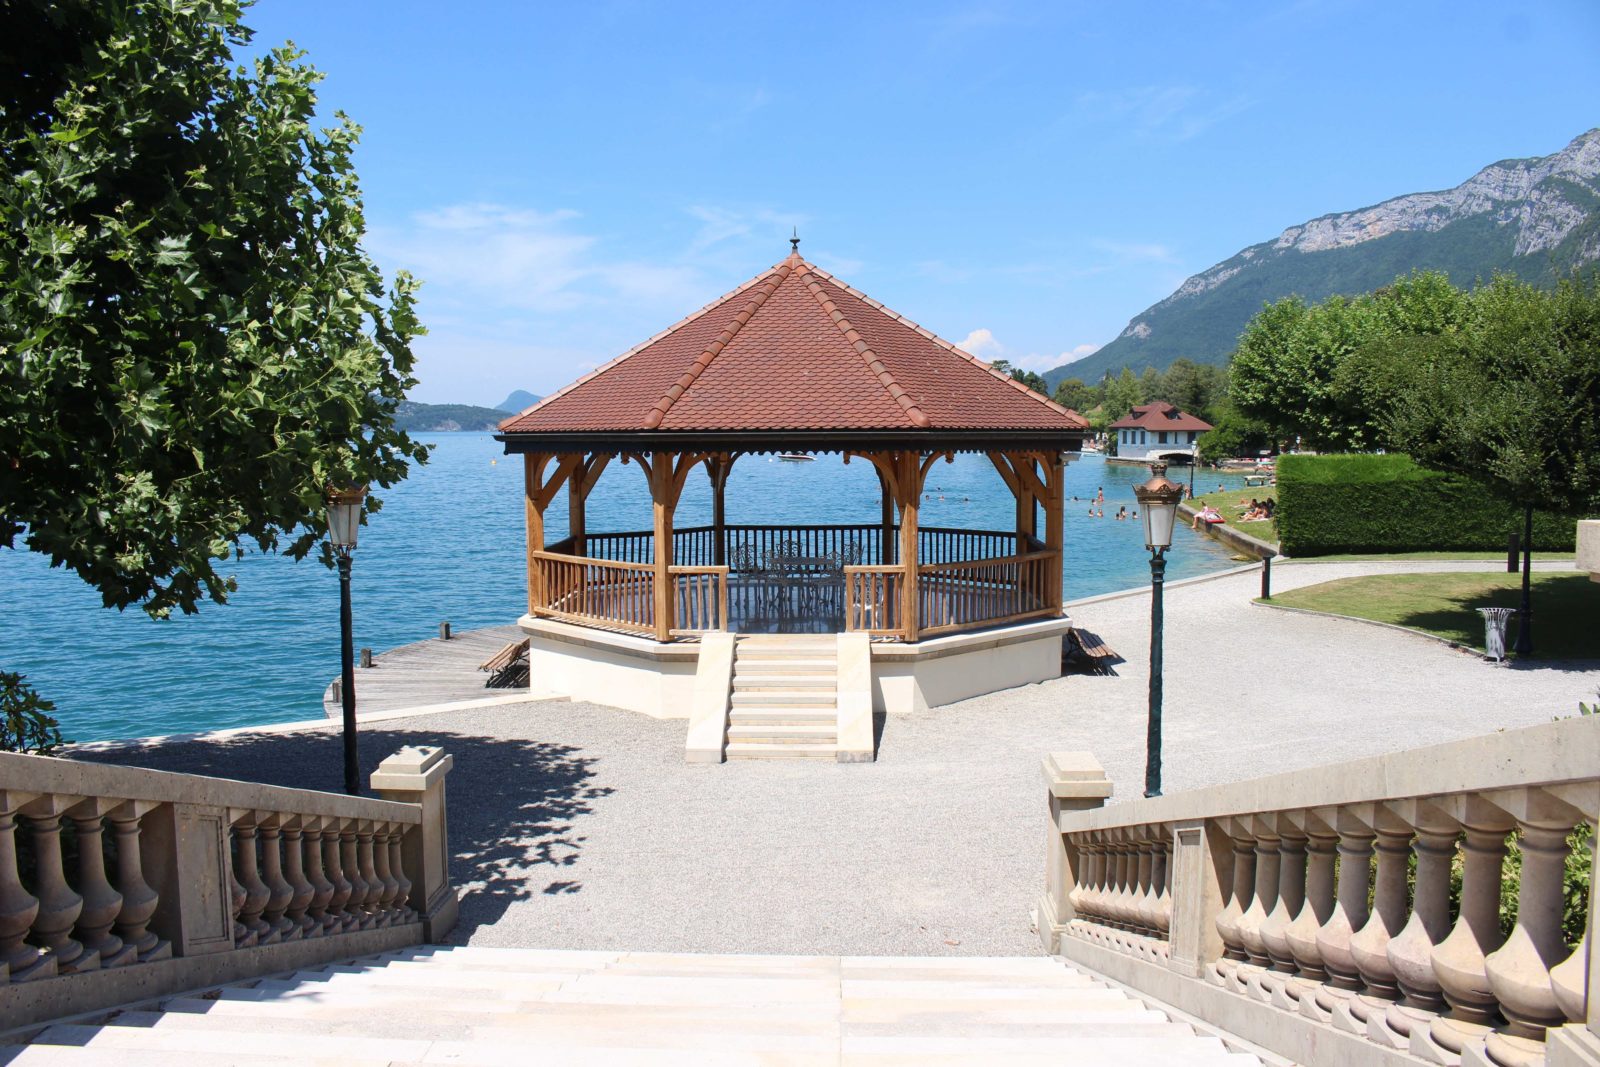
(448, 545)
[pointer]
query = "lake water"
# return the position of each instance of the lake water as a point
(448, 545)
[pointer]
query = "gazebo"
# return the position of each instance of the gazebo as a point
(793, 361)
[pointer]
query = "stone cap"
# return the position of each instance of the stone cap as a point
(412, 769)
(1076, 775)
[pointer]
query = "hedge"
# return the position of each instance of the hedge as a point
(1362, 503)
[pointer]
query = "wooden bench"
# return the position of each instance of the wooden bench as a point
(1083, 651)
(507, 668)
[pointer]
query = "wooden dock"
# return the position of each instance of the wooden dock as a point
(427, 672)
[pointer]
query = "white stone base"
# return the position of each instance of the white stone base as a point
(641, 675)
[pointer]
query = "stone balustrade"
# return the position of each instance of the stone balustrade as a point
(1348, 914)
(118, 882)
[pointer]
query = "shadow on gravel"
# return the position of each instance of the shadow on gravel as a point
(514, 804)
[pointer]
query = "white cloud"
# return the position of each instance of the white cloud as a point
(1137, 251)
(1164, 112)
(1077, 352)
(981, 343)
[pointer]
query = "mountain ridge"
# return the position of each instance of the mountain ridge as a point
(1538, 217)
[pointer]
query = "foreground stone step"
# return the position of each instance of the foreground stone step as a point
(287, 1045)
(744, 681)
(793, 698)
(747, 750)
(784, 733)
(759, 665)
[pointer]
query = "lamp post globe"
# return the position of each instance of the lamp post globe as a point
(344, 525)
(1158, 508)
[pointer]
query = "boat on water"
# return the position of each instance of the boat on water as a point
(796, 457)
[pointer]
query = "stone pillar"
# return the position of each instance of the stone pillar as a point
(18, 907)
(417, 776)
(1201, 862)
(101, 903)
(59, 906)
(1074, 781)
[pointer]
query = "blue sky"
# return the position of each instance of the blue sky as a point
(570, 178)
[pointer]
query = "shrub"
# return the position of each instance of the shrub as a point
(26, 724)
(1373, 503)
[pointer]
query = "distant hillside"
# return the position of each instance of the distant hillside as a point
(518, 400)
(1538, 218)
(444, 418)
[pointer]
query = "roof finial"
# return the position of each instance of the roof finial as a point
(794, 242)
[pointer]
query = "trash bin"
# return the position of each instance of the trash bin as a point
(1494, 631)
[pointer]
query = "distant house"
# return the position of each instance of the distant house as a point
(1158, 430)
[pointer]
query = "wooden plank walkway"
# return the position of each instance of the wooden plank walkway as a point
(427, 672)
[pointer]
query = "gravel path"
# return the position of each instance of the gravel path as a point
(579, 826)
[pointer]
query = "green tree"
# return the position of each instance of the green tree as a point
(193, 344)
(1122, 393)
(1512, 400)
(1032, 379)
(1193, 387)
(1232, 435)
(1073, 393)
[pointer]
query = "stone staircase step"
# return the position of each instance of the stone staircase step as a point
(288, 1046)
(797, 716)
(785, 699)
(785, 734)
(761, 682)
(744, 750)
(755, 665)
(42, 1055)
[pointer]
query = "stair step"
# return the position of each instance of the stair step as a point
(785, 733)
(789, 699)
(751, 664)
(289, 1047)
(784, 717)
(745, 750)
(808, 682)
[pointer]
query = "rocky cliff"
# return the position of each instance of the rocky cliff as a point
(1539, 218)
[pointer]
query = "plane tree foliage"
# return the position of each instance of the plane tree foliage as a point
(194, 345)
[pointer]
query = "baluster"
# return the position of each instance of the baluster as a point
(1301, 934)
(321, 887)
(1369, 946)
(1145, 905)
(356, 907)
(18, 907)
(294, 851)
(369, 874)
(397, 836)
(339, 914)
(256, 893)
(1274, 930)
(1164, 890)
(101, 903)
(391, 885)
(59, 906)
(1411, 951)
(1349, 912)
(1263, 900)
(1519, 971)
(139, 900)
(1227, 921)
(1459, 960)
(280, 892)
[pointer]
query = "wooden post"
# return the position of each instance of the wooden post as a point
(886, 551)
(718, 467)
(664, 501)
(1027, 519)
(1054, 534)
(909, 476)
(577, 495)
(533, 464)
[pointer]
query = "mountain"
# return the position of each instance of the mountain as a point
(518, 400)
(1537, 218)
(445, 418)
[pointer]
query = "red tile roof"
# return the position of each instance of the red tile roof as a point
(794, 349)
(1159, 416)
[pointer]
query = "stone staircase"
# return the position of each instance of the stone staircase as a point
(785, 701)
(474, 1006)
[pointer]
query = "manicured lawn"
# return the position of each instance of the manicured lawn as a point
(1564, 606)
(1347, 558)
(1228, 501)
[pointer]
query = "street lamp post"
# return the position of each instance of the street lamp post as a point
(1158, 506)
(344, 522)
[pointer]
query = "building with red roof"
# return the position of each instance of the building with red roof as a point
(794, 361)
(1158, 431)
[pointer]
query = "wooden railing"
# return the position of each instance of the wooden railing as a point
(700, 599)
(1352, 912)
(985, 592)
(107, 870)
(595, 592)
(695, 546)
(872, 600)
